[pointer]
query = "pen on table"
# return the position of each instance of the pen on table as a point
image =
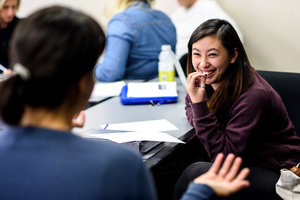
(105, 127)
(2, 68)
(161, 102)
(152, 103)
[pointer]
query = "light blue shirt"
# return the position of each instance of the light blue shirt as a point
(134, 39)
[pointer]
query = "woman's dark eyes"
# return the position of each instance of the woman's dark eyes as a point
(211, 54)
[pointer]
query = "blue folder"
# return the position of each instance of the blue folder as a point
(157, 100)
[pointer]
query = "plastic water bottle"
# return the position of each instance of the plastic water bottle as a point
(166, 70)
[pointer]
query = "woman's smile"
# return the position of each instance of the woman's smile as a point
(208, 74)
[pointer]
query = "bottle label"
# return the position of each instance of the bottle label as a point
(166, 71)
(166, 76)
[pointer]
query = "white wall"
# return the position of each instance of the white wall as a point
(271, 28)
(272, 31)
(94, 7)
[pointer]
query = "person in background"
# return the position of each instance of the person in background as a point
(40, 157)
(192, 13)
(134, 38)
(234, 110)
(8, 21)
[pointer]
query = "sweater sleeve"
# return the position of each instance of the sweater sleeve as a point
(245, 118)
(198, 192)
(188, 109)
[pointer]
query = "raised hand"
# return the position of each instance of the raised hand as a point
(227, 179)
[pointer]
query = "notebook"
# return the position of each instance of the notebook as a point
(155, 93)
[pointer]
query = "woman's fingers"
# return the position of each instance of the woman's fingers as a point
(197, 79)
(195, 87)
(193, 76)
(203, 81)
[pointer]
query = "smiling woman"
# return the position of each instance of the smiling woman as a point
(213, 54)
(8, 21)
(234, 110)
(217, 55)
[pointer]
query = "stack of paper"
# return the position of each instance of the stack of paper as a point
(106, 89)
(123, 137)
(134, 131)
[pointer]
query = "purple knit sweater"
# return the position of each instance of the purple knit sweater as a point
(259, 129)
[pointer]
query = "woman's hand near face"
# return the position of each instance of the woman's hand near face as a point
(196, 87)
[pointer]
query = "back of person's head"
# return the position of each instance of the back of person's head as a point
(237, 77)
(51, 50)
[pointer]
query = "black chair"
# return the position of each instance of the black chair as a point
(287, 85)
(183, 63)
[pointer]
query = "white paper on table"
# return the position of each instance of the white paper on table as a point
(106, 89)
(152, 125)
(152, 89)
(122, 137)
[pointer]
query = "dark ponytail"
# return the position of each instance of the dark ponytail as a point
(11, 103)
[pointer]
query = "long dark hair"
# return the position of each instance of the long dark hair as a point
(57, 46)
(237, 78)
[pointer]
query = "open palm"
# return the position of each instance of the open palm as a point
(227, 179)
